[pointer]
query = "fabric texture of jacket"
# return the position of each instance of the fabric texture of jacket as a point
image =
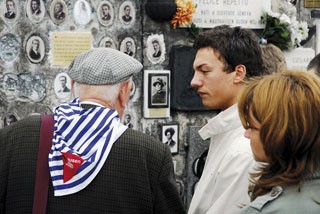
(289, 199)
(224, 182)
(137, 177)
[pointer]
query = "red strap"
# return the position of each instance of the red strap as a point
(42, 179)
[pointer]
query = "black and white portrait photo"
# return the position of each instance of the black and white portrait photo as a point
(82, 12)
(35, 49)
(107, 42)
(158, 90)
(58, 11)
(9, 119)
(10, 10)
(128, 46)
(155, 49)
(62, 85)
(127, 13)
(105, 13)
(170, 133)
(35, 10)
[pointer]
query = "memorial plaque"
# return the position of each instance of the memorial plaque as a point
(311, 3)
(183, 96)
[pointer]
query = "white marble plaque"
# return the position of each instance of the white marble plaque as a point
(244, 13)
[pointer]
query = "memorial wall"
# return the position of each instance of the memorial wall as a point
(39, 38)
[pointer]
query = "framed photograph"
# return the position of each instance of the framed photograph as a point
(9, 118)
(105, 13)
(10, 10)
(158, 90)
(35, 10)
(35, 49)
(107, 42)
(62, 85)
(127, 13)
(58, 11)
(156, 49)
(170, 136)
(128, 46)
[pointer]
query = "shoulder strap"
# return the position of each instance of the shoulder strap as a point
(42, 179)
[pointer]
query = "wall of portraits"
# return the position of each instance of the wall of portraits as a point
(161, 98)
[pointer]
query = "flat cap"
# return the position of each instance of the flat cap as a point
(103, 66)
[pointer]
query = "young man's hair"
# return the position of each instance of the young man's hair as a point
(272, 59)
(234, 46)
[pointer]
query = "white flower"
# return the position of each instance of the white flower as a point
(285, 19)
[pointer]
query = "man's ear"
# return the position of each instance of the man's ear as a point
(240, 75)
(124, 93)
(72, 84)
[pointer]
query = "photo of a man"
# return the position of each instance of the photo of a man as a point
(127, 121)
(34, 52)
(58, 11)
(105, 10)
(63, 87)
(9, 119)
(128, 49)
(10, 14)
(156, 47)
(127, 17)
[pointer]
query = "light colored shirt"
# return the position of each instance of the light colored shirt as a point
(225, 178)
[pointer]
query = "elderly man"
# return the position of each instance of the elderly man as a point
(96, 164)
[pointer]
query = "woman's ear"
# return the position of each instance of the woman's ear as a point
(241, 72)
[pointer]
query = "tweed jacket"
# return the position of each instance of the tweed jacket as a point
(137, 176)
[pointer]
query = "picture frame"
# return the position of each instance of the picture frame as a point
(105, 13)
(10, 10)
(127, 13)
(62, 85)
(128, 46)
(58, 11)
(35, 48)
(170, 136)
(158, 90)
(35, 10)
(152, 109)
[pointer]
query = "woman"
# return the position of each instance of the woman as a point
(281, 115)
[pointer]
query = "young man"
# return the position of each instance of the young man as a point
(10, 14)
(120, 170)
(225, 57)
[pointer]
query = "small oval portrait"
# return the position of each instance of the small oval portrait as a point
(9, 119)
(128, 46)
(35, 49)
(105, 13)
(35, 10)
(155, 49)
(10, 10)
(82, 12)
(127, 13)
(62, 85)
(107, 42)
(9, 47)
(58, 11)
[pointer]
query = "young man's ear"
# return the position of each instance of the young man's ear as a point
(240, 75)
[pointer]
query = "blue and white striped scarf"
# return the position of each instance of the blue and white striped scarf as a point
(82, 141)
